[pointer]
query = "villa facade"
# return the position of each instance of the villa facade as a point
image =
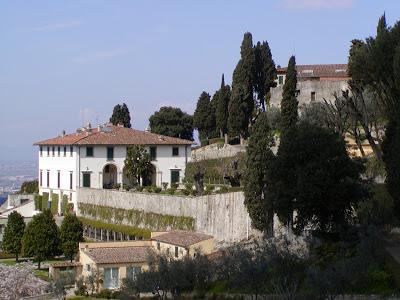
(94, 158)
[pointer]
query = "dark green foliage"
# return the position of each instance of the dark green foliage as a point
(13, 233)
(221, 111)
(265, 73)
(374, 64)
(41, 238)
(172, 121)
(121, 115)
(71, 233)
(314, 176)
(38, 202)
(137, 163)
(29, 187)
(204, 116)
(259, 157)
(241, 105)
(45, 201)
(289, 104)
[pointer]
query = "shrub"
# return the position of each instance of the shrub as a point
(38, 202)
(165, 185)
(204, 142)
(116, 186)
(148, 189)
(157, 190)
(186, 192)
(223, 189)
(139, 188)
(54, 204)
(171, 191)
(210, 188)
(45, 201)
(216, 141)
(174, 185)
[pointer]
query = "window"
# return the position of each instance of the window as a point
(53, 150)
(175, 151)
(280, 80)
(65, 151)
(111, 280)
(71, 151)
(312, 96)
(70, 180)
(297, 93)
(40, 178)
(131, 272)
(48, 151)
(48, 178)
(89, 151)
(176, 252)
(41, 150)
(110, 153)
(153, 153)
(58, 150)
(174, 176)
(86, 179)
(158, 246)
(58, 179)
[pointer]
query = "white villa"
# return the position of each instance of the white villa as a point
(94, 158)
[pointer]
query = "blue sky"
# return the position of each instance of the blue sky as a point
(64, 63)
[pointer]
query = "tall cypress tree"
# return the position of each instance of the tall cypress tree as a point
(289, 104)
(204, 116)
(259, 157)
(121, 115)
(221, 111)
(242, 88)
(265, 73)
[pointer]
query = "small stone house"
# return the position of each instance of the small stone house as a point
(110, 262)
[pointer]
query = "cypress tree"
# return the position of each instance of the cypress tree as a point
(121, 115)
(265, 73)
(13, 233)
(204, 116)
(71, 233)
(242, 88)
(259, 157)
(221, 111)
(289, 104)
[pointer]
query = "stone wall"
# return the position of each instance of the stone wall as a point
(215, 151)
(223, 216)
(322, 89)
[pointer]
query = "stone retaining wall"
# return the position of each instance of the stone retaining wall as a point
(223, 216)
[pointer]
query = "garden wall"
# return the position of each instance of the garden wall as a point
(223, 216)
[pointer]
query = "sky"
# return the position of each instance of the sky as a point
(66, 63)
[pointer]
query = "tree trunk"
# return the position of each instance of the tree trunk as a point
(375, 149)
(16, 257)
(39, 264)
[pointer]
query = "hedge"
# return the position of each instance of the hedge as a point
(136, 218)
(38, 202)
(54, 204)
(133, 231)
(45, 201)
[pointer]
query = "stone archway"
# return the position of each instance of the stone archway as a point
(109, 176)
(151, 178)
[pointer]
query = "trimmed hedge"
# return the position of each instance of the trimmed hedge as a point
(54, 204)
(134, 231)
(38, 202)
(136, 218)
(45, 201)
(64, 205)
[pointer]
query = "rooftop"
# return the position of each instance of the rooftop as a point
(113, 135)
(182, 238)
(328, 70)
(116, 255)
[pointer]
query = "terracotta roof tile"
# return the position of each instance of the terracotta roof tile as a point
(182, 238)
(329, 70)
(116, 255)
(114, 135)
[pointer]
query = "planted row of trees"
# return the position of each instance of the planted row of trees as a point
(41, 238)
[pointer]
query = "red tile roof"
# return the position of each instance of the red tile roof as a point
(118, 255)
(182, 238)
(113, 135)
(330, 71)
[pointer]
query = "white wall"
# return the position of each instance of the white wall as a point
(53, 164)
(164, 163)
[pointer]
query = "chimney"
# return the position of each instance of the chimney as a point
(99, 128)
(148, 129)
(63, 133)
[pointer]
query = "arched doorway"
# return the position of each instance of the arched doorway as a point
(151, 178)
(109, 176)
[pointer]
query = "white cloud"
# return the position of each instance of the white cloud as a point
(316, 4)
(96, 56)
(55, 26)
